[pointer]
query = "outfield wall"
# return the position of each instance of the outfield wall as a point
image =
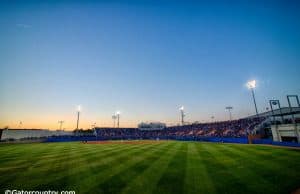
(70, 138)
(271, 142)
(207, 139)
(241, 140)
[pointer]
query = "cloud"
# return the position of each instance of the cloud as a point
(20, 25)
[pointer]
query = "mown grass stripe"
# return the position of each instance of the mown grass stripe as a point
(172, 181)
(222, 176)
(68, 172)
(25, 174)
(197, 179)
(146, 181)
(86, 153)
(270, 153)
(117, 182)
(242, 169)
(279, 174)
(85, 170)
(111, 167)
(65, 161)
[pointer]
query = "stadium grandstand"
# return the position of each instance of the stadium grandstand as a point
(275, 126)
(233, 129)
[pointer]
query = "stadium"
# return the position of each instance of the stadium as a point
(149, 97)
(257, 154)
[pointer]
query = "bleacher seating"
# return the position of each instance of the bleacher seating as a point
(230, 129)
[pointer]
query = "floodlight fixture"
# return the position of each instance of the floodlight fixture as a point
(251, 84)
(78, 108)
(182, 114)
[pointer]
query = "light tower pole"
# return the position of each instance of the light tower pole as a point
(60, 124)
(118, 118)
(229, 108)
(251, 85)
(78, 114)
(182, 114)
(20, 124)
(114, 117)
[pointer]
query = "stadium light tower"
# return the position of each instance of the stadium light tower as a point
(60, 124)
(114, 117)
(251, 85)
(182, 114)
(78, 114)
(118, 118)
(229, 108)
(20, 124)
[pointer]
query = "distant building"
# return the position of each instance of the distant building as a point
(18, 134)
(152, 126)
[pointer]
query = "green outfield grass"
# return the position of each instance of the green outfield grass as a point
(158, 168)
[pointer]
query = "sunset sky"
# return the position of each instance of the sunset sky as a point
(145, 59)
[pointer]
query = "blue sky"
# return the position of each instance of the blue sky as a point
(145, 59)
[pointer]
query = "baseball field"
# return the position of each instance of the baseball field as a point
(160, 167)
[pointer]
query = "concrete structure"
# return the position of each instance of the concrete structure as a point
(277, 112)
(18, 134)
(286, 132)
(152, 126)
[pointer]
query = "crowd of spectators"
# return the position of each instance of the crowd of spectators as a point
(234, 128)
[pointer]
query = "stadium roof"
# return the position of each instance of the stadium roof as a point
(277, 112)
